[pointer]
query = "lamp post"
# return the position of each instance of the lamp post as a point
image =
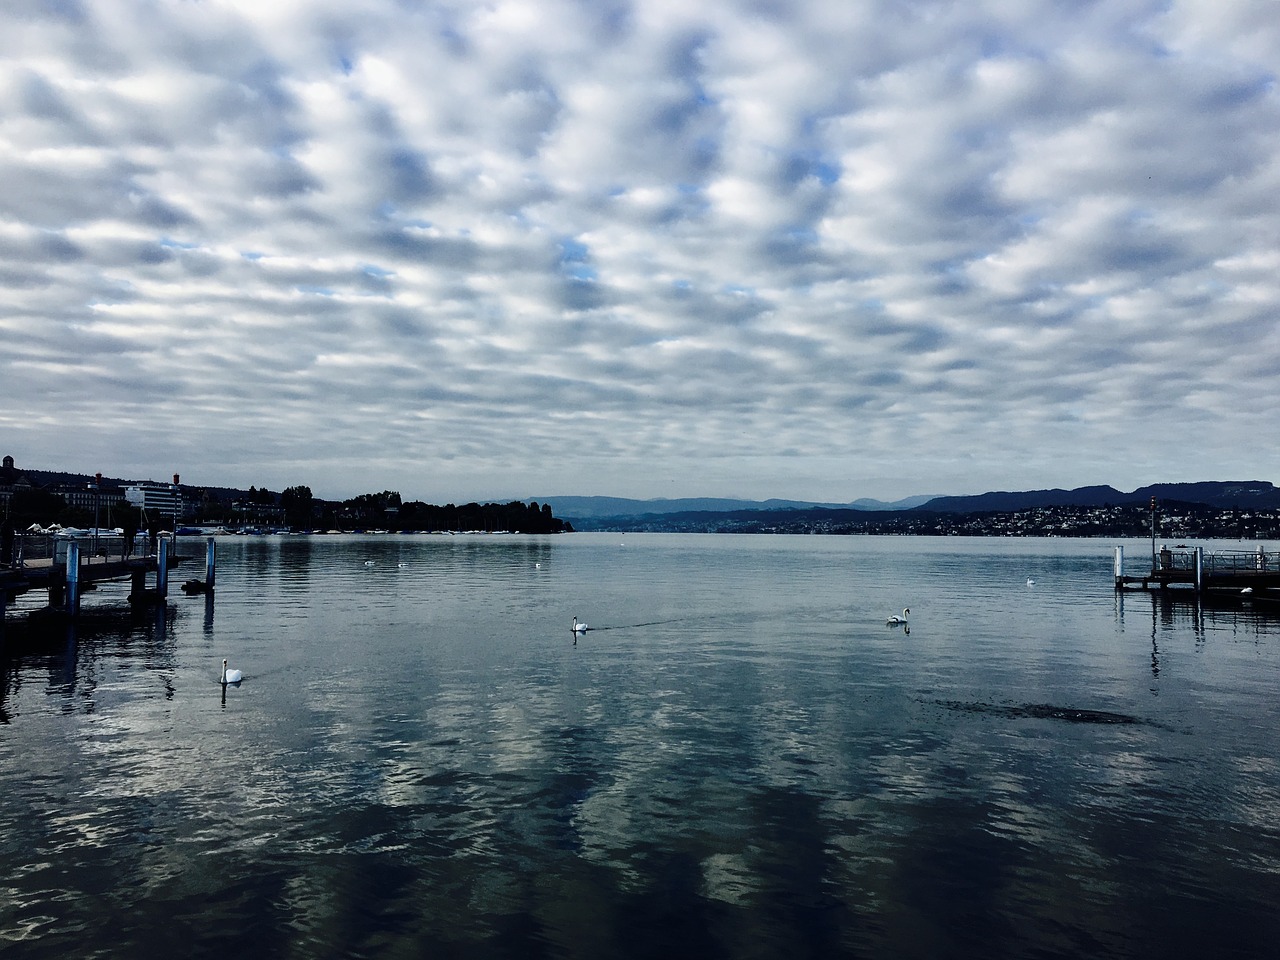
(1153, 534)
(97, 496)
(177, 502)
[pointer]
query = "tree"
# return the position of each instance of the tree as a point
(42, 507)
(297, 503)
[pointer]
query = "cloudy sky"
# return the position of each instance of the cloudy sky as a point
(817, 249)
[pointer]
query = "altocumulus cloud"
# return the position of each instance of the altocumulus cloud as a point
(805, 249)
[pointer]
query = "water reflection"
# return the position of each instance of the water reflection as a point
(74, 652)
(421, 765)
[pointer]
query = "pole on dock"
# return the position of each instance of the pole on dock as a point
(162, 568)
(1153, 534)
(1199, 569)
(73, 578)
(209, 563)
(1119, 567)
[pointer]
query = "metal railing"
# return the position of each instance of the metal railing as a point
(1222, 563)
(1241, 562)
(35, 547)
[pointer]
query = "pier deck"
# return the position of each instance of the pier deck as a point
(34, 574)
(67, 567)
(1228, 575)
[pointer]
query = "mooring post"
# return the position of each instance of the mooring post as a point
(162, 568)
(209, 564)
(73, 578)
(1119, 567)
(1199, 569)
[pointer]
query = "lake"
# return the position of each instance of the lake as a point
(740, 759)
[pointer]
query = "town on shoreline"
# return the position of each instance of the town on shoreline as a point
(1173, 521)
(45, 498)
(79, 500)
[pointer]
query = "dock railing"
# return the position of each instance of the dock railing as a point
(29, 548)
(1222, 563)
(1228, 563)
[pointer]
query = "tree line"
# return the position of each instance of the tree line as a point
(296, 508)
(387, 510)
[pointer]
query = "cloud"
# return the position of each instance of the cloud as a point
(542, 246)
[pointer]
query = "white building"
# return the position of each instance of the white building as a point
(158, 500)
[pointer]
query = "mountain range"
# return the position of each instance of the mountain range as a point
(1245, 494)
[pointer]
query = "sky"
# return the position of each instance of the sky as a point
(810, 249)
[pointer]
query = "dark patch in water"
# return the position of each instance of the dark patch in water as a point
(1040, 711)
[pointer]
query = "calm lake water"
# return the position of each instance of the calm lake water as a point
(740, 760)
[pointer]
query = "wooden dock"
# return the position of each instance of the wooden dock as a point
(71, 569)
(1238, 576)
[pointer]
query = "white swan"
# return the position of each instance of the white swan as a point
(579, 627)
(906, 612)
(1031, 581)
(230, 676)
(368, 563)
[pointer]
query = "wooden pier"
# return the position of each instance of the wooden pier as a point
(73, 567)
(1225, 575)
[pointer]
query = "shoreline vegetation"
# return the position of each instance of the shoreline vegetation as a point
(1182, 511)
(45, 499)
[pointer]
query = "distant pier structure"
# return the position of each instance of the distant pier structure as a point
(1228, 575)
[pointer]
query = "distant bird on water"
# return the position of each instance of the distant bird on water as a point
(230, 676)
(895, 619)
(579, 627)
(1031, 581)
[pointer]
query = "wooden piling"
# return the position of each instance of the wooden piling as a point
(162, 568)
(209, 563)
(73, 578)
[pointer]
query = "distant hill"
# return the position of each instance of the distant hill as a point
(1258, 494)
(903, 516)
(594, 508)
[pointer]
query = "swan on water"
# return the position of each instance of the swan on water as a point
(230, 676)
(1031, 581)
(579, 627)
(1246, 591)
(368, 563)
(402, 565)
(906, 612)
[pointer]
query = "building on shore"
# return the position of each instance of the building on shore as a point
(12, 481)
(157, 500)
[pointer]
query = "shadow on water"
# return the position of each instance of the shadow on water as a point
(1039, 711)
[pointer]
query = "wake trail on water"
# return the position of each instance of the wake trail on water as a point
(837, 615)
(651, 623)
